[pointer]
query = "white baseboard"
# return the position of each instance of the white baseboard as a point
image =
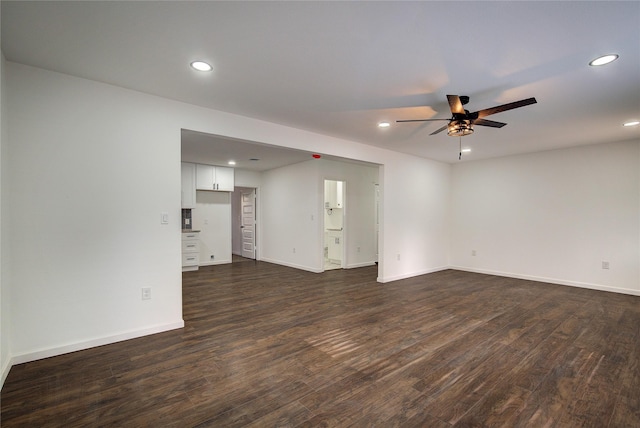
(577, 284)
(217, 262)
(411, 275)
(5, 371)
(292, 265)
(359, 265)
(79, 346)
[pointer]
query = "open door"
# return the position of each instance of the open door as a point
(248, 223)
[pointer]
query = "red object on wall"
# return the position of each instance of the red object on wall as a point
(316, 156)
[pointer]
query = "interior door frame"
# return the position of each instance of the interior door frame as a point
(237, 231)
(343, 260)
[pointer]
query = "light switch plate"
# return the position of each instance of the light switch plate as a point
(164, 218)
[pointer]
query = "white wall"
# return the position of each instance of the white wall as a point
(289, 210)
(552, 216)
(212, 216)
(5, 298)
(333, 219)
(244, 178)
(292, 207)
(91, 168)
(415, 200)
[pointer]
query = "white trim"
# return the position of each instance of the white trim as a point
(577, 284)
(412, 274)
(359, 265)
(292, 265)
(79, 346)
(5, 372)
(217, 262)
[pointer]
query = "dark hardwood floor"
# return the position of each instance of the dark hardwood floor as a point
(266, 345)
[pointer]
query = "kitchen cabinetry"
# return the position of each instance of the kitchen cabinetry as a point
(190, 251)
(217, 178)
(334, 244)
(333, 194)
(188, 185)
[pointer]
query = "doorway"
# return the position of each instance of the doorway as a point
(244, 224)
(334, 231)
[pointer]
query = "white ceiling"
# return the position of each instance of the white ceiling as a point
(338, 68)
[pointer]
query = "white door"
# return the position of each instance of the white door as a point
(248, 223)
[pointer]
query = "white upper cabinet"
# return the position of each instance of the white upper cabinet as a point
(188, 185)
(218, 178)
(204, 177)
(224, 179)
(333, 194)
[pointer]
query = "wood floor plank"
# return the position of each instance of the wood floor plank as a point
(267, 345)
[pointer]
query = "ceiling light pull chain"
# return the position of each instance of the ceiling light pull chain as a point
(460, 155)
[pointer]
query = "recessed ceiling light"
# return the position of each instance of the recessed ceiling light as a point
(231, 162)
(632, 123)
(466, 150)
(384, 125)
(201, 66)
(606, 59)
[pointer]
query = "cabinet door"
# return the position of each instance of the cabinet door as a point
(205, 177)
(188, 185)
(330, 194)
(224, 179)
(335, 246)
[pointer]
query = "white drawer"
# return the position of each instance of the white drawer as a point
(191, 259)
(190, 246)
(189, 235)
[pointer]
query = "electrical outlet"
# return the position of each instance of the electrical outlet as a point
(605, 265)
(146, 293)
(473, 252)
(294, 250)
(358, 249)
(398, 256)
(212, 257)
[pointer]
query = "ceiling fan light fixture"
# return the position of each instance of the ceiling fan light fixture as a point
(459, 128)
(603, 60)
(201, 66)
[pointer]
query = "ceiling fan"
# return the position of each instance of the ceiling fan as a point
(461, 122)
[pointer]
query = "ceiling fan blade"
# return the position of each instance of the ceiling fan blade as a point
(505, 107)
(419, 120)
(490, 123)
(455, 104)
(439, 130)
